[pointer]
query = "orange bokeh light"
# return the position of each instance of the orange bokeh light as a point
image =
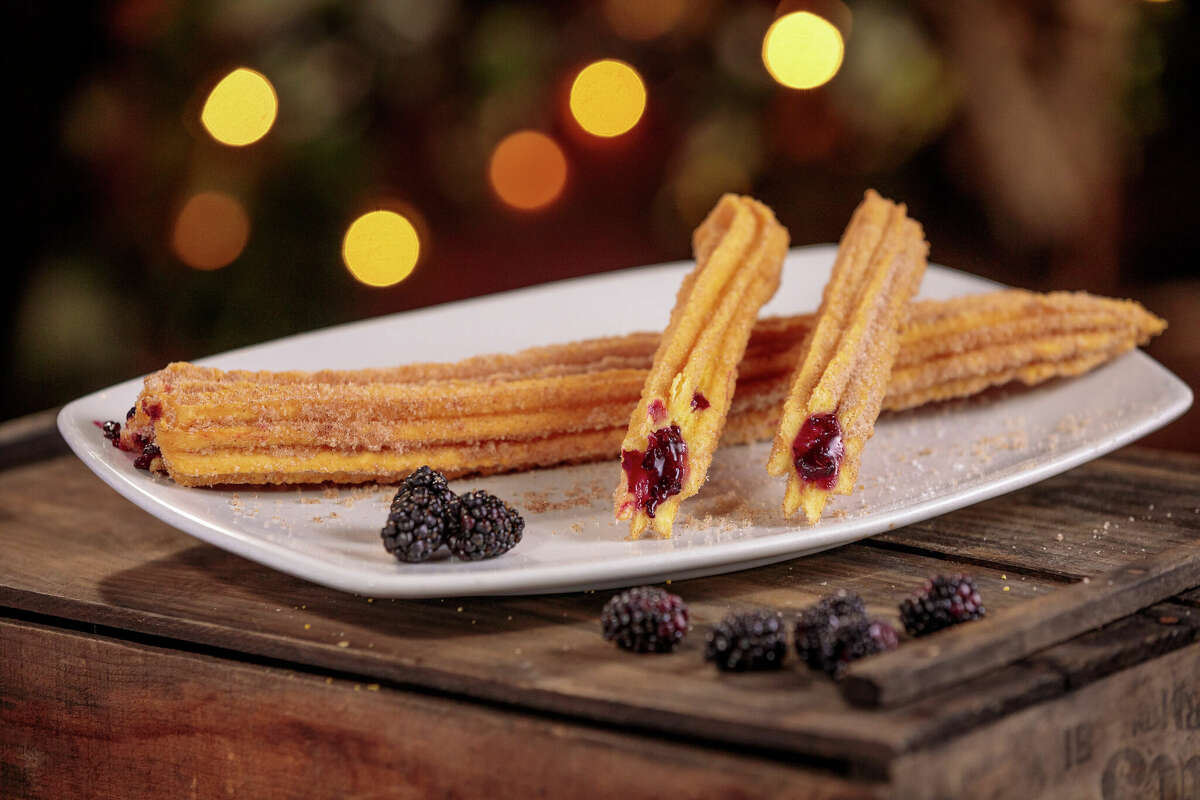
(211, 230)
(528, 170)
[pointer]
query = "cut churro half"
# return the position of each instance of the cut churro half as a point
(838, 388)
(675, 426)
(546, 408)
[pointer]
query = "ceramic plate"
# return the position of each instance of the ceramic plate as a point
(919, 464)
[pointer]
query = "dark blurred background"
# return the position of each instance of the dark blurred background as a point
(1045, 144)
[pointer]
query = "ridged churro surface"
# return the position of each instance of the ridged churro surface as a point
(233, 427)
(838, 388)
(675, 426)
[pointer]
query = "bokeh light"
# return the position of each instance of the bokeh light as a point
(381, 248)
(241, 108)
(642, 20)
(802, 50)
(608, 98)
(527, 170)
(211, 230)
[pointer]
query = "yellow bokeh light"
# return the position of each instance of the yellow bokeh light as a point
(802, 50)
(381, 248)
(211, 230)
(241, 108)
(527, 170)
(608, 98)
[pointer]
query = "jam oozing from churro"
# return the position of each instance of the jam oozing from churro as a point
(659, 472)
(818, 450)
(699, 402)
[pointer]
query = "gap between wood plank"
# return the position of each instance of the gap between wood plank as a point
(976, 561)
(842, 768)
(965, 652)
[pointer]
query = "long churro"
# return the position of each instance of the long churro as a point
(232, 427)
(838, 388)
(676, 424)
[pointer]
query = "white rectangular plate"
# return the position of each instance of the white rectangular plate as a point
(919, 464)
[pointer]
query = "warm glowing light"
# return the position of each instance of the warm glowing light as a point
(210, 231)
(381, 248)
(241, 108)
(802, 50)
(528, 170)
(641, 20)
(608, 98)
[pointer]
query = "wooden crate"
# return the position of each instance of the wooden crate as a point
(136, 661)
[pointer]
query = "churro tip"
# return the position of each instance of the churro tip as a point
(840, 383)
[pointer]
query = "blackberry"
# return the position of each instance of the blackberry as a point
(488, 527)
(429, 478)
(645, 620)
(837, 630)
(420, 520)
(112, 432)
(818, 628)
(945, 601)
(129, 414)
(149, 453)
(751, 640)
(862, 637)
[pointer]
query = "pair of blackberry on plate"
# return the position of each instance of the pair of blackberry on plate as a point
(425, 515)
(828, 635)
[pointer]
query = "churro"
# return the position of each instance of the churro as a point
(675, 426)
(838, 388)
(232, 427)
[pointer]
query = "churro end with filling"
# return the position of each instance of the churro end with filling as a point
(678, 420)
(840, 383)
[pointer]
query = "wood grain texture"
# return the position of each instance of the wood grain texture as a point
(135, 573)
(1046, 676)
(950, 657)
(90, 716)
(542, 654)
(1147, 634)
(1132, 504)
(1133, 734)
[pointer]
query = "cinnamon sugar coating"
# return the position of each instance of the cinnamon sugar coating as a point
(739, 250)
(235, 427)
(848, 357)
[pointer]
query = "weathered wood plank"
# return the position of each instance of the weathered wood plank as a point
(1132, 504)
(1134, 734)
(1149, 633)
(1085, 659)
(953, 656)
(132, 572)
(1189, 598)
(78, 715)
